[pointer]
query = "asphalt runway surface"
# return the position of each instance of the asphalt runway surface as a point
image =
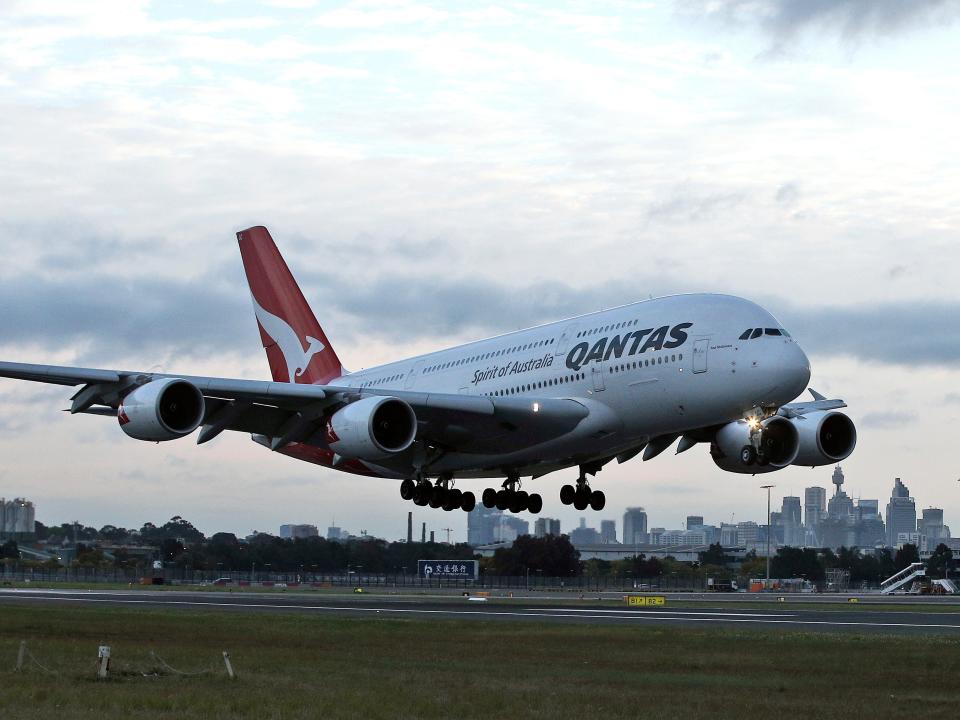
(715, 612)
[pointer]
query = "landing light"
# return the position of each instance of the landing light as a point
(753, 423)
(536, 407)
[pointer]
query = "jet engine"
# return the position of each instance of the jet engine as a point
(732, 448)
(372, 429)
(826, 437)
(164, 409)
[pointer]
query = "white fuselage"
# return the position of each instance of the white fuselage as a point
(658, 367)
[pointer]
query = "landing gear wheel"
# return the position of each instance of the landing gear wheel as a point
(437, 497)
(503, 500)
(748, 456)
(582, 499)
(422, 493)
(468, 501)
(597, 500)
(489, 498)
(567, 494)
(454, 497)
(518, 502)
(762, 460)
(535, 503)
(407, 488)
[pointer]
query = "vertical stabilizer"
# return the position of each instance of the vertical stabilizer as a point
(297, 348)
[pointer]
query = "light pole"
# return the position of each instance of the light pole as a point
(766, 585)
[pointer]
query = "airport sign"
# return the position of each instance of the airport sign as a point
(462, 569)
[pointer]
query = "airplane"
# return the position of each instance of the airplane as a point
(579, 393)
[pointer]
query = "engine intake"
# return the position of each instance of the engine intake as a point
(372, 428)
(161, 410)
(733, 451)
(826, 437)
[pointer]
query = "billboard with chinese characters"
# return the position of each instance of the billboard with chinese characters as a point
(462, 569)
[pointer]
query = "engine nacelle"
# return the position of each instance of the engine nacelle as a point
(164, 409)
(372, 429)
(732, 450)
(826, 437)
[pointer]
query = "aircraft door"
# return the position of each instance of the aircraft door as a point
(563, 340)
(596, 375)
(700, 355)
(412, 375)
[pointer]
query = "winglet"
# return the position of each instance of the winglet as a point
(817, 396)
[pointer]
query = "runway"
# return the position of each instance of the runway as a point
(711, 614)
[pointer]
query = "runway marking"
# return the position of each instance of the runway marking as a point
(485, 613)
(683, 612)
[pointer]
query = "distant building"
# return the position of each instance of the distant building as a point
(292, 532)
(748, 534)
(685, 537)
(635, 526)
(871, 531)
(728, 534)
(694, 522)
(508, 528)
(481, 525)
(793, 534)
(814, 507)
(17, 519)
(901, 513)
(608, 532)
(335, 533)
(656, 534)
(546, 526)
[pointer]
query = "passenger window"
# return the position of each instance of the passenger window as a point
(746, 334)
(756, 333)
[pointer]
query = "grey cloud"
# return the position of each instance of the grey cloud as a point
(788, 193)
(887, 420)
(951, 398)
(785, 19)
(687, 206)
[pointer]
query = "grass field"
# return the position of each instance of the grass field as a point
(300, 666)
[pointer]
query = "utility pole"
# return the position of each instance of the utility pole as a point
(766, 585)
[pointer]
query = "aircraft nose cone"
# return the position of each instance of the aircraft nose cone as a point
(794, 370)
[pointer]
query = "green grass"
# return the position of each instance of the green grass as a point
(307, 666)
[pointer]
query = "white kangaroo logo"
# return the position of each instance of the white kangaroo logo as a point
(289, 342)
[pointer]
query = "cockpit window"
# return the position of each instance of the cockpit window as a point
(785, 332)
(746, 334)
(773, 331)
(756, 333)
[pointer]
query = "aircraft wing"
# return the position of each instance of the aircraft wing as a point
(292, 412)
(819, 403)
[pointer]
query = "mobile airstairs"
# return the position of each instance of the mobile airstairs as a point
(902, 579)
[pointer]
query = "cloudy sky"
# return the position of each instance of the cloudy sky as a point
(439, 172)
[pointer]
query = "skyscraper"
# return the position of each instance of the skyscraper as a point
(814, 506)
(481, 525)
(931, 526)
(634, 526)
(694, 522)
(546, 526)
(792, 527)
(608, 532)
(901, 513)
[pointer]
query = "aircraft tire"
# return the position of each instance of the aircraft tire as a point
(518, 502)
(468, 501)
(582, 499)
(407, 489)
(503, 500)
(567, 494)
(438, 496)
(489, 498)
(748, 456)
(422, 498)
(535, 503)
(597, 500)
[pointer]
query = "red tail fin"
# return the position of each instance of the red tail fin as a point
(297, 348)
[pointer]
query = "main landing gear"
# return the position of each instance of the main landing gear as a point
(581, 496)
(441, 495)
(512, 498)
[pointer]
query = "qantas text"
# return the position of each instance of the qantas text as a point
(630, 343)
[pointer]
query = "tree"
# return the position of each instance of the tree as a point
(714, 556)
(10, 550)
(906, 555)
(791, 562)
(552, 555)
(940, 561)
